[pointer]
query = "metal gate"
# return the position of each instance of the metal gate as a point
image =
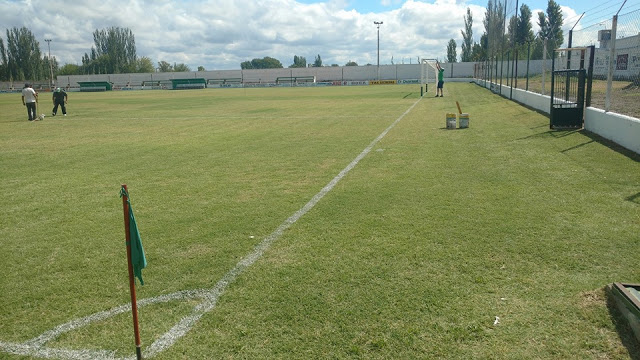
(568, 89)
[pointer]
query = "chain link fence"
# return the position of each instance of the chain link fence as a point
(616, 60)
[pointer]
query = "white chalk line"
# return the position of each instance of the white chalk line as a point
(35, 347)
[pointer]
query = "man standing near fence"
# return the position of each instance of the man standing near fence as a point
(59, 98)
(29, 99)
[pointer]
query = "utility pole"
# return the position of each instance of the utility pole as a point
(50, 65)
(378, 26)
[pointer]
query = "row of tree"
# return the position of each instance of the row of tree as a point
(21, 57)
(495, 41)
(271, 63)
(114, 52)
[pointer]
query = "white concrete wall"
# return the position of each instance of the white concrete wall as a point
(322, 74)
(621, 129)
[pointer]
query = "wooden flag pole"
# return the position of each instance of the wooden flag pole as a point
(132, 285)
(459, 110)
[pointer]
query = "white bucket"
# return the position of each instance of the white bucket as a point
(464, 121)
(451, 121)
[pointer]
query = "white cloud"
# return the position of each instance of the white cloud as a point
(220, 34)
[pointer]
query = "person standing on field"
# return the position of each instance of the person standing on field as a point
(29, 99)
(59, 98)
(440, 79)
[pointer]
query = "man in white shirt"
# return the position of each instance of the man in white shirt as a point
(30, 99)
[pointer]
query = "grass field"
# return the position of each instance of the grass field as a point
(411, 255)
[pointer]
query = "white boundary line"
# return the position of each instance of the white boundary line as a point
(35, 347)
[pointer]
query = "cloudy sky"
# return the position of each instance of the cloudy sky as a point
(220, 34)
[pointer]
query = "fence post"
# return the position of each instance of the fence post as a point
(501, 71)
(612, 53)
(592, 54)
(528, 56)
(544, 63)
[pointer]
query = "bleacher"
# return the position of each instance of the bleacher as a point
(95, 86)
(295, 79)
(156, 84)
(224, 81)
(193, 83)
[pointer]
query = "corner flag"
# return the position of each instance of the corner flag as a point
(135, 259)
(138, 260)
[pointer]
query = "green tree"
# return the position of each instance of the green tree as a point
(70, 69)
(479, 51)
(318, 62)
(551, 25)
(3, 61)
(180, 67)
(201, 68)
(524, 32)
(144, 65)
(164, 66)
(299, 62)
(351, 63)
(493, 29)
(467, 37)
(116, 49)
(264, 63)
(22, 57)
(452, 56)
(49, 66)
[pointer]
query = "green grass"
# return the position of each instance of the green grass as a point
(412, 255)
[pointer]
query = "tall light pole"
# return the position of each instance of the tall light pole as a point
(50, 65)
(378, 23)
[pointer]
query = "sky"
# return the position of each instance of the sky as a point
(220, 34)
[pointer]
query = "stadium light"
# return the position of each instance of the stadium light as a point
(50, 65)
(378, 25)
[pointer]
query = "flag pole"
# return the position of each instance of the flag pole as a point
(132, 285)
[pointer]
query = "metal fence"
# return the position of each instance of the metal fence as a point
(616, 72)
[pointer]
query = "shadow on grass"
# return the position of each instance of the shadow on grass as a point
(577, 146)
(634, 198)
(623, 328)
(553, 133)
(611, 145)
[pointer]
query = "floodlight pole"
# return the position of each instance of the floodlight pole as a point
(378, 26)
(50, 65)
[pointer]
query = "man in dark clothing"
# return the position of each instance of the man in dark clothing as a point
(59, 98)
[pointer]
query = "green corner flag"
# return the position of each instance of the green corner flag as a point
(138, 260)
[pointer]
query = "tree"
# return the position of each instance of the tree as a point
(479, 51)
(70, 69)
(201, 68)
(524, 33)
(467, 37)
(164, 66)
(180, 67)
(115, 48)
(22, 59)
(551, 25)
(550, 32)
(452, 56)
(144, 65)
(493, 29)
(318, 62)
(351, 63)
(299, 62)
(3, 61)
(264, 63)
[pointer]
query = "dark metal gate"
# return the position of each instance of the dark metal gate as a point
(568, 89)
